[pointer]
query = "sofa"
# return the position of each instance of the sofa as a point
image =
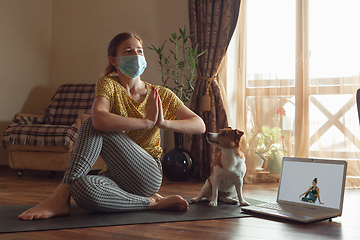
(47, 142)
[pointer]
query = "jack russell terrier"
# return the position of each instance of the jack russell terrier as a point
(227, 170)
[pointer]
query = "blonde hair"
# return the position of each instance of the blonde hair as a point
(113, 46)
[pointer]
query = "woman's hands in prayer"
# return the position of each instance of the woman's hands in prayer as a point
(154, 108)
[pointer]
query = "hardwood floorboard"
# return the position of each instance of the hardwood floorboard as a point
(36, 186)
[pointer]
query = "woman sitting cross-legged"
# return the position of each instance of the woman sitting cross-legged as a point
(124, 129)
(312, 194)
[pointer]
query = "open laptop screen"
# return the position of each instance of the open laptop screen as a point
(297, 178)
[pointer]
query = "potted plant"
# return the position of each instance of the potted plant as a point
(178, 73)
(270, 147)
(179, 66)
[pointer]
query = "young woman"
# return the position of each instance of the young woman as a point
(124, 128)
(312, 194)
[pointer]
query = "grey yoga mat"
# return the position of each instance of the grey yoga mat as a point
(81, 218)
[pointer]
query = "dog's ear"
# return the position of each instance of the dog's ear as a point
(238, 135)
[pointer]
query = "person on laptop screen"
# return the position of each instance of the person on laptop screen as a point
(312, 194)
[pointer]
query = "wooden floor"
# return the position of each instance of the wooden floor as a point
(35, 186)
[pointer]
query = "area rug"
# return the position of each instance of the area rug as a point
(81, 218)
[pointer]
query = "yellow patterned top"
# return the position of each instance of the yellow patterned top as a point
(122, 104)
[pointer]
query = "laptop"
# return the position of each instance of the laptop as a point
(298, 199)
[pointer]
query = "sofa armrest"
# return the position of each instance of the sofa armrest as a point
(28, 115)
(24, 118)
(81, 119)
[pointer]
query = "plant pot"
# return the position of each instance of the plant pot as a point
(274, 162)
(177, 163)
(258, 161)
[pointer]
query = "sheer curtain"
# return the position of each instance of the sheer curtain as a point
(290, 78)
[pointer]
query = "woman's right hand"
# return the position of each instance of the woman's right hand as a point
(152, 107)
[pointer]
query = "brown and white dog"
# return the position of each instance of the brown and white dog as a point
(227, 170)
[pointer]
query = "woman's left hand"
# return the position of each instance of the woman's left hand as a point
(152, 107)
(160, 118)
(187, 121)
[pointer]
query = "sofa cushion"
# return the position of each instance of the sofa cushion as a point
(41, 135)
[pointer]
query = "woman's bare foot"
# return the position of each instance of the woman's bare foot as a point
(175, 202)
(57, 205)
(156, 197)
(46, 209)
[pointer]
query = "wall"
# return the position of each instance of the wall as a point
(47, 43)
(79, 40)
(25, 29)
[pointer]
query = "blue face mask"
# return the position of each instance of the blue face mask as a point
(132, 66)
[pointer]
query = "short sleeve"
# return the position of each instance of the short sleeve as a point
(171, 103)
(105, 88)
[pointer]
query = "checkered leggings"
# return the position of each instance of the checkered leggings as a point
(133, 174)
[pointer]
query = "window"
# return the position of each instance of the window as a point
(270, 45)
(301, 73)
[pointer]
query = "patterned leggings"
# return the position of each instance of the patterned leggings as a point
(133, 174)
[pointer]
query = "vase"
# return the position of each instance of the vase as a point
(177, 163)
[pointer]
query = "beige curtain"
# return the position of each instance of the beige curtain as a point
(213, 23)
(261, 108)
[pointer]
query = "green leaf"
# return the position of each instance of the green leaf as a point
(200, 54)
(181, 64)
(196, 48)
(163, 45)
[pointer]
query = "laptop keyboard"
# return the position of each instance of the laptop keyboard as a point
(292, 209)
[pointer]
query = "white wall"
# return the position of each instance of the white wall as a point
(46, 43)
